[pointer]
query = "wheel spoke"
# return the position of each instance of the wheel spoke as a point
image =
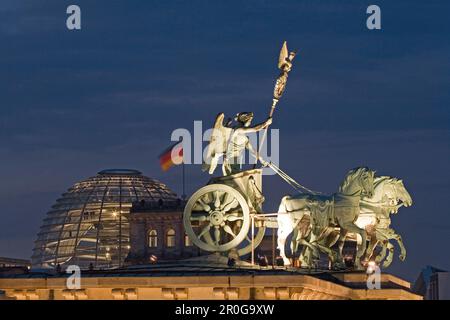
(206, 198)
(233, 217)
(198, 207)
(205, 230)
(205, 207)
(216, 200)
(228, 230)
(200, 218)
(227, 199)
(208, 239)
(231, 205)
(217, 235)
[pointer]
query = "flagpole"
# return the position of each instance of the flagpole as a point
(183, 196)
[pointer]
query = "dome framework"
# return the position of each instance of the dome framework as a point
(89, 224)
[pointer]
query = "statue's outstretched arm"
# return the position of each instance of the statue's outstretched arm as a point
(257, 127)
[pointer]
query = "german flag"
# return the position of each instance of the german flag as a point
(171, 156)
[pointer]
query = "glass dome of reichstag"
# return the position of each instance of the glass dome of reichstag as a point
(89, 223)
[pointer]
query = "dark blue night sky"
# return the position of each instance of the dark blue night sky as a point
(75, 102)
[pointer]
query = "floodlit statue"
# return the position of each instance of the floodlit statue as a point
(226, 214)
(230, 141)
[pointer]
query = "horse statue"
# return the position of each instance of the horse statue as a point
(325, 214)
(389, 195)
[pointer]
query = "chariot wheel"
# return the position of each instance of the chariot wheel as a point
(216, 218)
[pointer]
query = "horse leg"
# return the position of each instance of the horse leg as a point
(351, 227)
(402, 255)
(302, 258)
(341, 241)
(330, 253)
(294, 242)
(305, 258)
(284, 229)
(299, 241)
(372, 245)
(281, 241)
(380, 257)
(309, 253)
(390, 256)
(399, 240)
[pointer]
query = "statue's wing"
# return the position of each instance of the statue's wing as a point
(218, 123)
(284, 54)
(218, 140)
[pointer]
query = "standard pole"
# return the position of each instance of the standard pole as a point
(263, 138)
(285, 65)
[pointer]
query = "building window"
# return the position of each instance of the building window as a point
(187, 241)
(88, 215)
(153, 239)
(170, 238)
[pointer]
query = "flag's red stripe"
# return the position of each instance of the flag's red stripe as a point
(165, 159)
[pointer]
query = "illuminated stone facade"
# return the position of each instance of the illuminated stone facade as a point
(192, 283)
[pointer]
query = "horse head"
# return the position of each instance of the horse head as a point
(389, 192)
(396, 192)
(404, 195)
(358, 181)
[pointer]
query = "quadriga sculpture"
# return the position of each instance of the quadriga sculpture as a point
(362, 206)
(325, 214)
